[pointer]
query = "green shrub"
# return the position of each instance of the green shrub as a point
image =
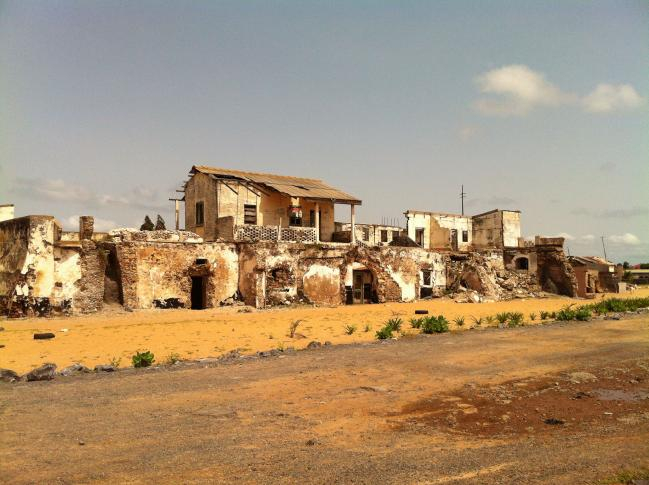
(476, 321)
(532, 316)
(459, 321)
(582, 314)
(416, 322)
(350, 329)
(515, 319)
(565, 314)
(394, 324)
(545, 315)
(434, 325)
(489, 319)
(143, 359)
(502, 317)
(115, 361)
(384, 333)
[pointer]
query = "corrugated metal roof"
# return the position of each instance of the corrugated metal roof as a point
(595, 260)
(292, 186)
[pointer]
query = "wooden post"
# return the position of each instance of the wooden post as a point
(353, 220)
(279, 230)
(317, 222)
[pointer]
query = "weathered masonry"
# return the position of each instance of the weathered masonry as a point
(262, 239)
(496, 229)
(232, 205)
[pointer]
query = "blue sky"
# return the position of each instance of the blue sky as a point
(537, 106)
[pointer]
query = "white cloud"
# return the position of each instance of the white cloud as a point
(140, 198)
(519, 89)
(609, 97)
(626, 239)
(565, 235)
(588, 238)
(101, 225)
(516, 89)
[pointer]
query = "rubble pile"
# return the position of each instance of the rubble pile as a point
(474, 278)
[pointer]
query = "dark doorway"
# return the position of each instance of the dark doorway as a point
(198, 292)
(419, 236)
(362, 289)
(522, 264)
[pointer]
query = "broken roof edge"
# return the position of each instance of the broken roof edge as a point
(449, 214)
(295, 186)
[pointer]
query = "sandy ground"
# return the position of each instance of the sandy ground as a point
(462, 407)
(115, 334)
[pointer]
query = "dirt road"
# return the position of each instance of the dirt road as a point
(561, 403)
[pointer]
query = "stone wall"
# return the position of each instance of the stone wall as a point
(323, 273)
(156, 273)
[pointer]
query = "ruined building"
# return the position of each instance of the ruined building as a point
(263, 240)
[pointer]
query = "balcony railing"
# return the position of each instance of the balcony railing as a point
(274, 233)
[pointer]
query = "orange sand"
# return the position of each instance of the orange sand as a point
(99, 338)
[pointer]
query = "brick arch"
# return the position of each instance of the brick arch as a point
(387, 289)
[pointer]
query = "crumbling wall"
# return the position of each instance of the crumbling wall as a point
(93, 259)
(27, 264)
(155, 273)
(555, 273)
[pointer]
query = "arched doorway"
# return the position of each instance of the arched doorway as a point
(522, 264)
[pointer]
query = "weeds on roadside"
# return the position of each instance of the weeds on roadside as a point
(434, 324)
(477, 321)
(384, 333)
(350, 329)
(367, 328)
(394, 324)
(545, 315)
(293, 327)
(489, 319)
(459, 321)
(280, 346)
(515, 319)
(502, 317)
(172, 358)
(532, 316)
(115, 361)
(143, 359)
(416, 322)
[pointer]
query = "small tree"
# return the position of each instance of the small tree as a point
(160, 224)
(147, 225)
(625, 265)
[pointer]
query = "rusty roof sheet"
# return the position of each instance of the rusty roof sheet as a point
(292, 186)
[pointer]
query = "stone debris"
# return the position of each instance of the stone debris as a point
(7, 375)
(46, 372)
(74, 369)
(105, 368)
(314, 344)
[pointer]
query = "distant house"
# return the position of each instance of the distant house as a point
(594, 275)
(247, 206)
(438, 230)
(639, 276)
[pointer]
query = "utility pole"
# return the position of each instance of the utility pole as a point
(462, 195)
(604, 248)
